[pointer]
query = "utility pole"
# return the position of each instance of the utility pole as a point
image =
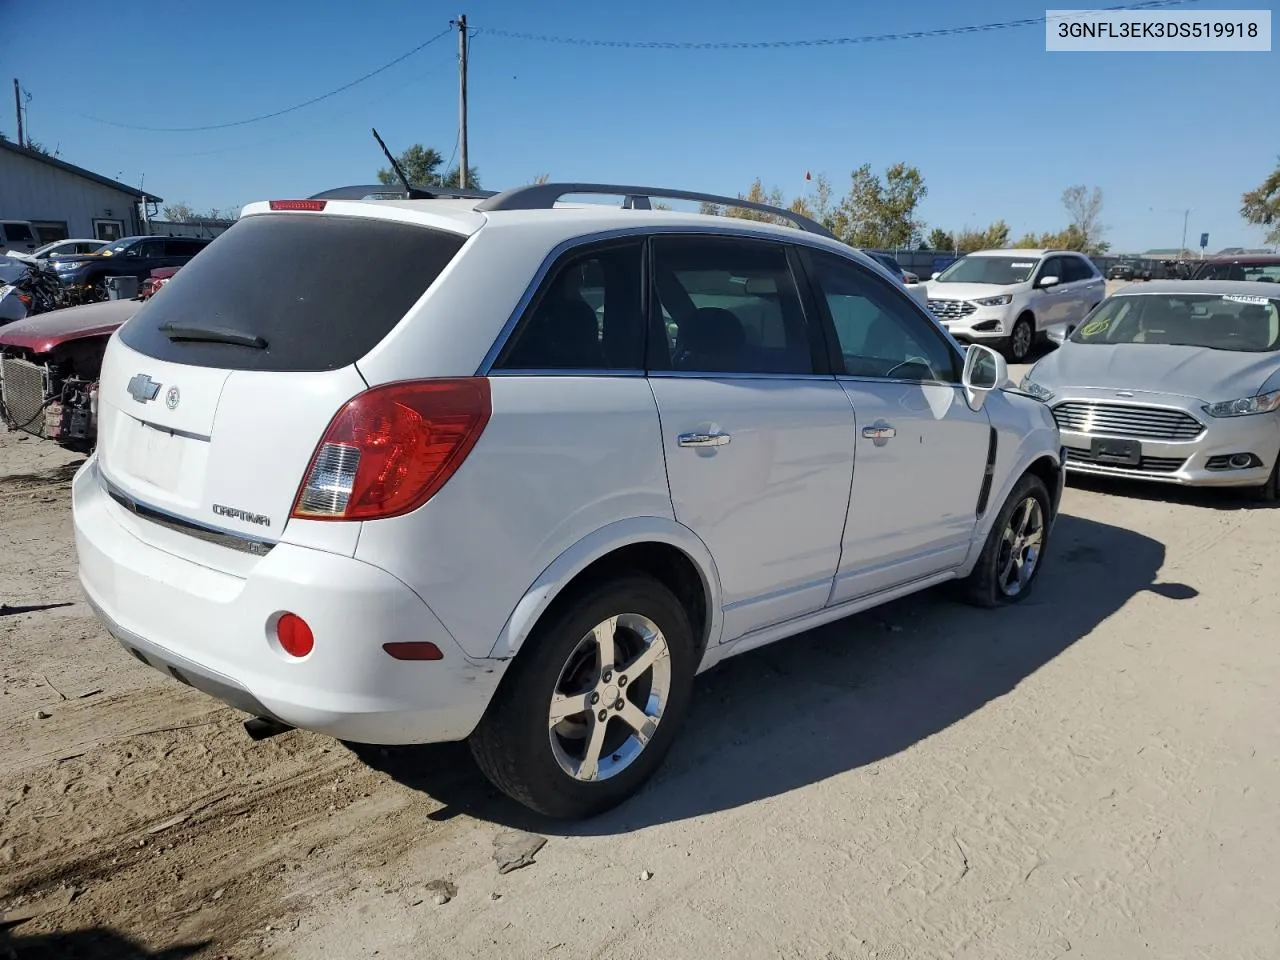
(464, 171)
(1183, 252)
(17, 104)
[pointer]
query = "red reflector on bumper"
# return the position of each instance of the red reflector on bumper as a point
(414, 651)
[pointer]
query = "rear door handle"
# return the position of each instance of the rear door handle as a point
(703, 439)
(879, 431)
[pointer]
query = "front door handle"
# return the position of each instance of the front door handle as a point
(703, 439)
(879, 431)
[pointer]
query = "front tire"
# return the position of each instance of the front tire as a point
(1010, 562)
(592, 703)
(1021, 339)
(1269, 492)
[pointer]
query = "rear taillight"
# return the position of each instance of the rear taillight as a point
(390, 449)
(296, 204)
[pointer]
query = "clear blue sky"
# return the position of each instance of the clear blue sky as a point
(997, 126)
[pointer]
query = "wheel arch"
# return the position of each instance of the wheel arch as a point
(669, 552)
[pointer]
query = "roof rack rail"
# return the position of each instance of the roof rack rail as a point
(387, 191)
(544, 196)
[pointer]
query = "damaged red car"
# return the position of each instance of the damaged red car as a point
(49, 366)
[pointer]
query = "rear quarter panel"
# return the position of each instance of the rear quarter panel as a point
(561, 458)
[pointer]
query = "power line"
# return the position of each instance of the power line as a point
(277, 113)
(821, 42)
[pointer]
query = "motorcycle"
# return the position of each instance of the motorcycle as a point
(37, 290)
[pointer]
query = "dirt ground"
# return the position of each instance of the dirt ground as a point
(1091, 774)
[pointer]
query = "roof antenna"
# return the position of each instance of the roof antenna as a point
(409, 192)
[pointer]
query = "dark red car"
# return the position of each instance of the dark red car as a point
(49, 366)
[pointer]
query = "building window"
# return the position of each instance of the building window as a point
(51, 230)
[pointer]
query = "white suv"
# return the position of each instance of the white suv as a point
(1011, 298)
(403, 471)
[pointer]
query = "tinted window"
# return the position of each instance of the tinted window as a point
(587, 316)
(879, 333)
(1073, 269)
(321, 290)
(181, 248)
(18, 233)
(729, 306)
(146, 248)
(1052, 267)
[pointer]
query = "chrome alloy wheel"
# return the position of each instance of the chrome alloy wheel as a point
(610, 697)
(1020, 547)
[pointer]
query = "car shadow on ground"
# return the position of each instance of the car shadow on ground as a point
(97, 944)
(1209, 498)
(841, 696)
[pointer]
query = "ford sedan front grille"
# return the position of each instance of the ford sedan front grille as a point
(1122, 420)
(951, 309)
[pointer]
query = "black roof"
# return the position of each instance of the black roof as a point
(79, 171)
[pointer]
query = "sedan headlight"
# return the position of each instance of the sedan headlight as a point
(1037, 390)
(1002, 300)
(67, 265)
(1262, 403)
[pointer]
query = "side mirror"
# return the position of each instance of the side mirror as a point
(1057, 335)
(932, 276)
(984, 371)
(1047, 282)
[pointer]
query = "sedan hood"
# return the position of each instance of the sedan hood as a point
(45, 331)
(1197, 372)
(967, 291)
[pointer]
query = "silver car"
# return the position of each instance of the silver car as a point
(1176, 381)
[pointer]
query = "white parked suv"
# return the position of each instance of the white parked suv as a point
(1012, 298)
(505, 469)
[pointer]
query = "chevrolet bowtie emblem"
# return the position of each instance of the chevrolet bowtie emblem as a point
(142, 388)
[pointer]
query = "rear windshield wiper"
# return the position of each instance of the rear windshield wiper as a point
(188, 331)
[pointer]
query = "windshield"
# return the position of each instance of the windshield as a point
(1264, 272)
(116, 248)
(998, 270)
(1246, 324)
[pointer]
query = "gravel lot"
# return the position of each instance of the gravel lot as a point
(1087, 774)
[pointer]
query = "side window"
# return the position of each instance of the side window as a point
(18, 233)
(879, 333)
(182, 248)
(729, 306)
(586, 316)
(1052, 267)
(1076, 268)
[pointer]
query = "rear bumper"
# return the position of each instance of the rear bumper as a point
(213, 629)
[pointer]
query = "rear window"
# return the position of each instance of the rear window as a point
(320, 291)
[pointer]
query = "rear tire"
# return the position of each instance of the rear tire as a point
(1010, 562)
(537, 750)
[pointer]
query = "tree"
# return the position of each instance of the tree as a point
(880, 213)
(1261, 207)
(421, 165)
(758, 194)
(994, 237)
(939, 239)
(183, 213)
(1085, 230)
(542, 178)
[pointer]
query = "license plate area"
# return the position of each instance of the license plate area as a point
(1121, 452)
